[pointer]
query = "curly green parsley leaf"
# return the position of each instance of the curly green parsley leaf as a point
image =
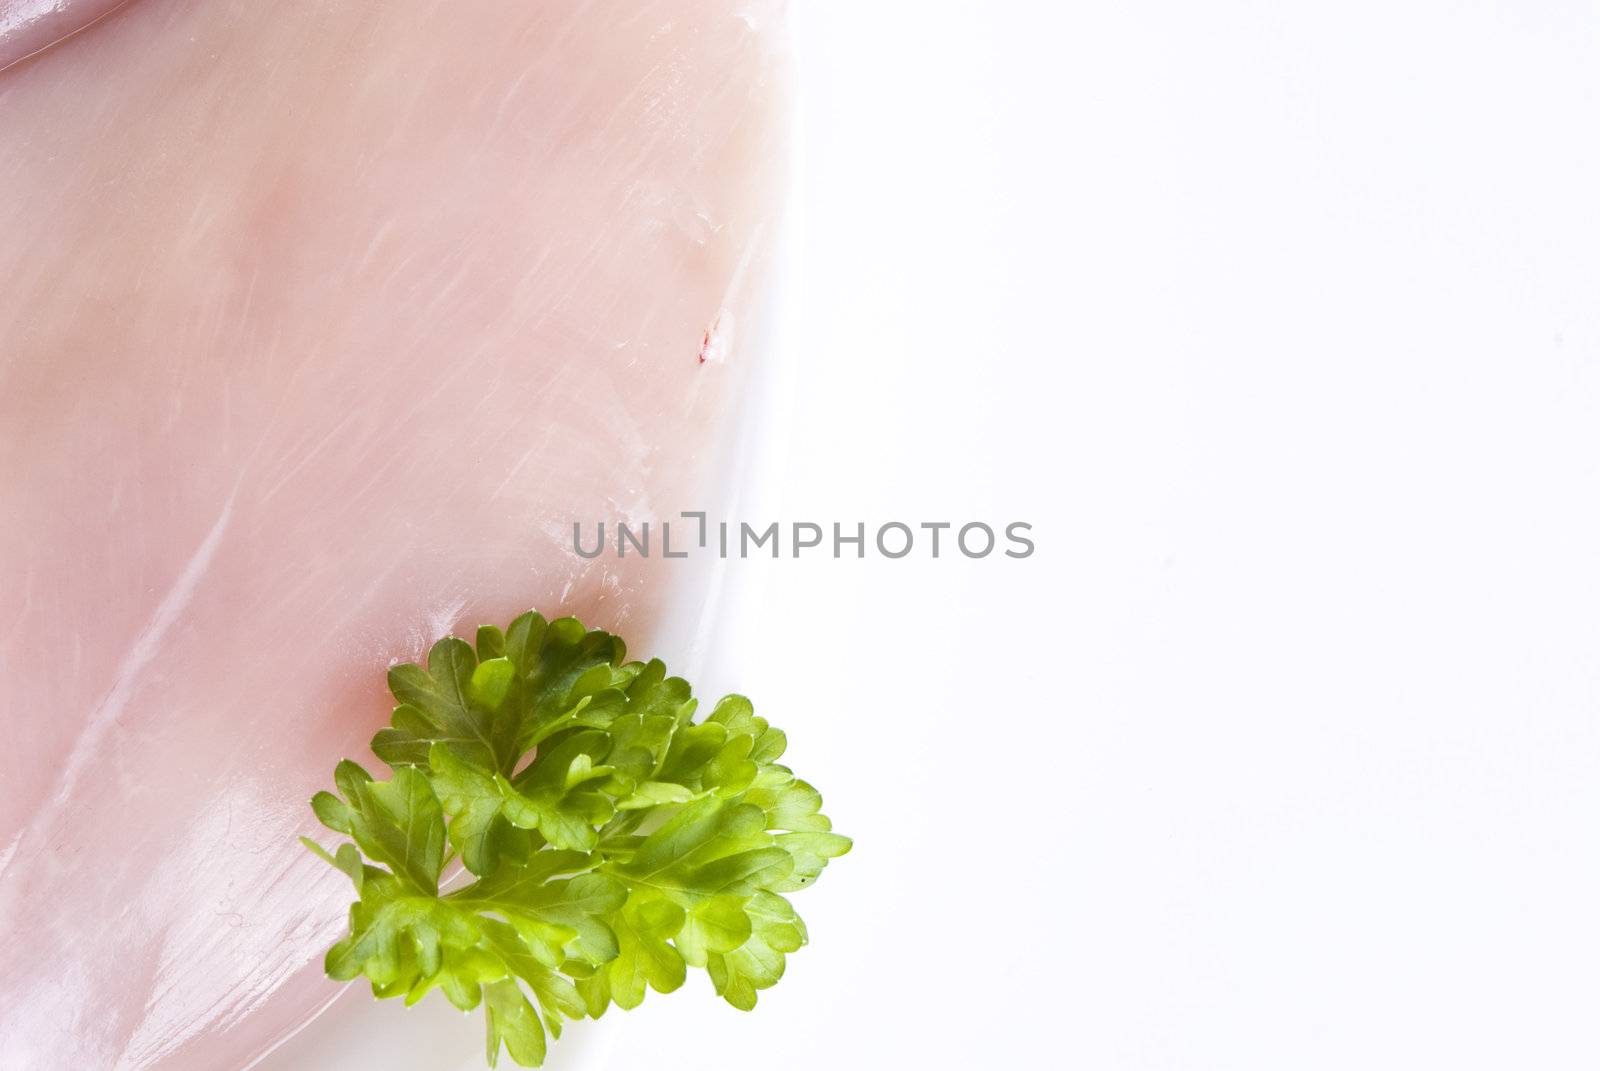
(610, 842)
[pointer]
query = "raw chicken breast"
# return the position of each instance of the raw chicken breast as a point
(321, 324)
(30, 26)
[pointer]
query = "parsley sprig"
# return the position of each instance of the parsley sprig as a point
(633, 844)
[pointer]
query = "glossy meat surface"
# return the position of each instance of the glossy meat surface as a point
(321, 324)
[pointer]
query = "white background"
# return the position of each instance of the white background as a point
(1278, 322)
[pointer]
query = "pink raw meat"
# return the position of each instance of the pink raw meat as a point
(321, 323)
(30, 26)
